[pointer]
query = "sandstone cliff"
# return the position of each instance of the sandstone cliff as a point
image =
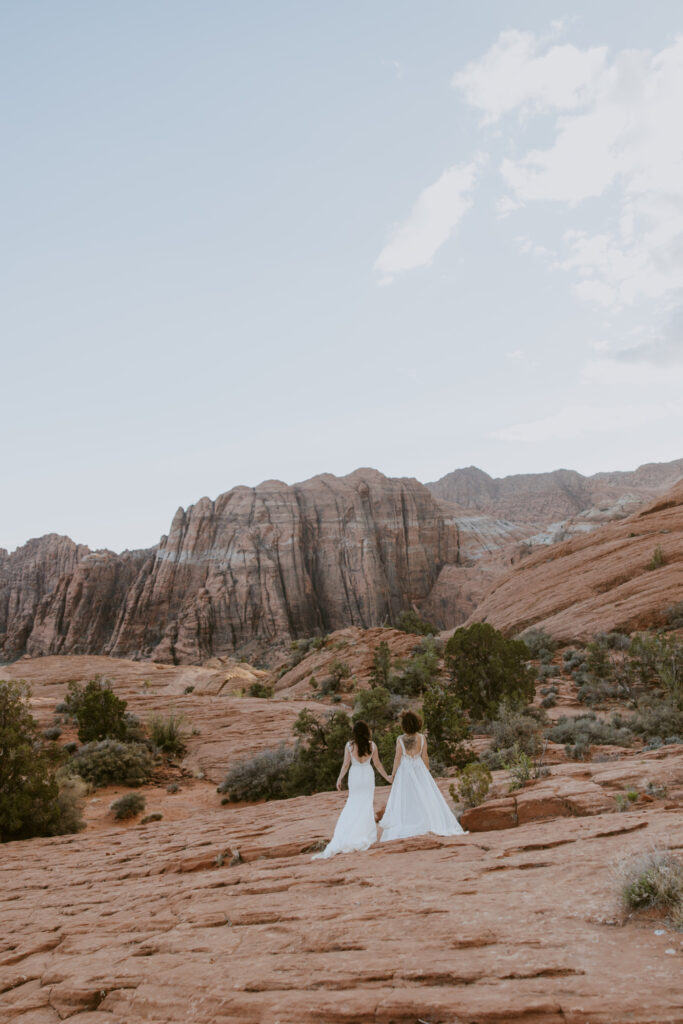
(256, 563)
(543, 498)
(606, 580)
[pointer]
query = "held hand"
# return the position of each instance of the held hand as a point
(339, 784)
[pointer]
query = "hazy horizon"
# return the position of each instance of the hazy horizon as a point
(251, 242)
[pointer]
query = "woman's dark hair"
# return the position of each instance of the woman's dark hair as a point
(410, 722)
(362, 737)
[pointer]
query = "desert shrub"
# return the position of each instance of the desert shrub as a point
(614, 641)
(374, 706)
(487, 669)
(549, 701)
(579, 750)
(99, 712)
(167, 734)
(521, 768)
(598, 661)
(261, 777)
(656, 717)
(473, 783)
(658, 559)
(587, 729)
(594, 692)
(653, 878)
(34, 795)
(128, 806)
(411, 622)
(71, 747)
(71, 794)
(381, 665)
(446, 726)
(548, 671)
(109, 762)
(674, 616)
(173, 787)
(539, 644)
(320, 751)
(259, 689)
(188, 689)
(340, 670)
(155, 816)
(418, 672)
(513, 727)
(52, 733)
(62, 708)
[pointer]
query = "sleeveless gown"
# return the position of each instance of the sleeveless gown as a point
(355, 828)
(415, 805)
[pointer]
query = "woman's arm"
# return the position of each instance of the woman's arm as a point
(345, 767)
(377, 763)
(397, 760)
(425, 755)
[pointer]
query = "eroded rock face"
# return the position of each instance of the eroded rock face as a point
(544, 498)
(603, 581)
(257, 563)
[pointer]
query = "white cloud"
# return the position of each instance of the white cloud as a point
(433, 219)
(616, 133)
(512, 75)
(664, 347)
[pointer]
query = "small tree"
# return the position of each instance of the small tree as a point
(411, 622)
(487, 669)
(446, 725)
(31, 799)
(374, 707)
(100, 713)
(381, 665)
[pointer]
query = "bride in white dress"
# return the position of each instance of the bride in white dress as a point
(415, 805)
(356, 828)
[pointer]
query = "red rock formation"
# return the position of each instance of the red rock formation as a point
(598, 582)
(543, 498)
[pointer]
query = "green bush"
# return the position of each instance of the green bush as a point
(521, 768)
(261, 777)
(446, 726)
(674, 616)
(549, 701)
(417, 673)
(656, 717)
(35, 796)
(52, 733)
(110, 762)
(167, 734)
(260, 690)
(513, 729)
(374, 706)
(381, 665)
(587, 729)
(658, 559)
(488, 669)
(539, 644)
(473, 783)
(99, 712)
(128, 806)
(652, 879)
(411, 622)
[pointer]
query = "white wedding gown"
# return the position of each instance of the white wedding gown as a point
(415, 805)
(355, 828)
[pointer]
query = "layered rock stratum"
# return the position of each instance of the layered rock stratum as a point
(623, 576)
(279, 562)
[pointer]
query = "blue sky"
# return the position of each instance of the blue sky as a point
(269, 240)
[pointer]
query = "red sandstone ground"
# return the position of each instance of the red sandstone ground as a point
(218, 914)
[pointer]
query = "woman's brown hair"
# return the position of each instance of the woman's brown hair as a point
(410, 722)
(362, 737)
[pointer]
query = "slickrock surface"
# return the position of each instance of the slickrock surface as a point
(543, 498)
(221, 728)
(598, 582)
(164, 923)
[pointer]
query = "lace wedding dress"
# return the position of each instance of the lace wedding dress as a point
(355, 828)
(415, 805)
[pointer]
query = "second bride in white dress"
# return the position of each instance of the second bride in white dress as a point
(415, 805)
(356, 828)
